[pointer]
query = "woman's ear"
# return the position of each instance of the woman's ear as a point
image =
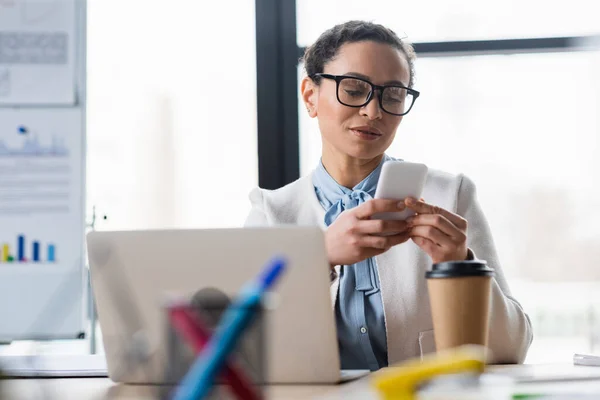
(310, 96)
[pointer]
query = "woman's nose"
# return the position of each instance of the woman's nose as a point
(372, 110)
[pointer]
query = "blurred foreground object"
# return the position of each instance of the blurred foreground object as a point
(401, 382)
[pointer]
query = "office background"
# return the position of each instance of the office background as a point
(192, 104)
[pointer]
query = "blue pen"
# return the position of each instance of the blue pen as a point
(198, 381)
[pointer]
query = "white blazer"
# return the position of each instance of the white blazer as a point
(402, 268)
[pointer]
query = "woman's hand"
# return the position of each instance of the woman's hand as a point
(354, 236)
(440, 233)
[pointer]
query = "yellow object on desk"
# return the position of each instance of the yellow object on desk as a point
(402, 381)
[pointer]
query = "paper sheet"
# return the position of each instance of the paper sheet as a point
(56, 366)
(37, 52)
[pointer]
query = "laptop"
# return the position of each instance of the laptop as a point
(134, 272)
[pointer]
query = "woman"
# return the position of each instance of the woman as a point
(359, 86)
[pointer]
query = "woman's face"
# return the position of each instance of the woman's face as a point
(344, 129)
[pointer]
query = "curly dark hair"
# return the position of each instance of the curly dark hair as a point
(328, 44)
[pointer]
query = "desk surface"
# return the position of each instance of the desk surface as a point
(102, 388)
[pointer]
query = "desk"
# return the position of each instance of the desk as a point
(103, 388)
(360, 390)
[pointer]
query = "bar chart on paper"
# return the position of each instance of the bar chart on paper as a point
(42, 223)
(40, 190)
(25, 250)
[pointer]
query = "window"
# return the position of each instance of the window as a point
(171, 113)
(439, 20)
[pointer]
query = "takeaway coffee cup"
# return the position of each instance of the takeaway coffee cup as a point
(459, 295)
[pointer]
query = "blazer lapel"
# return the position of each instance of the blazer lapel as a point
(311, 212)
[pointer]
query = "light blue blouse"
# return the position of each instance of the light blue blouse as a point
(359, 309)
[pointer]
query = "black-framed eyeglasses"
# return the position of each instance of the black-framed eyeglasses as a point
(357, 92)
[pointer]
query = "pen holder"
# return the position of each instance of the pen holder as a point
(248, 360)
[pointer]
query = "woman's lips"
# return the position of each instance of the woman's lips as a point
(365, 135)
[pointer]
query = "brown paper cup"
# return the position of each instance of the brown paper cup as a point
(459, 295)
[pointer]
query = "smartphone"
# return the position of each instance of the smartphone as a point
(399, 180)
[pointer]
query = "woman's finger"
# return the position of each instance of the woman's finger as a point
(375, 206)
(434, 234)
(420, 207)
(427, 246)
(440, 222)
(375, 226)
